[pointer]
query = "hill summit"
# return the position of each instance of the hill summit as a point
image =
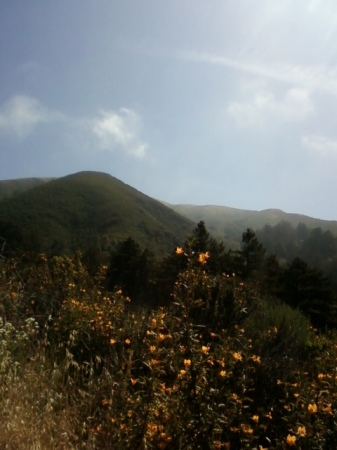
(88, 209)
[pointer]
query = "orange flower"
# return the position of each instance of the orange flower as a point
(301, 431)
(179, 251)
(222, 373)
(255, 419)
(291, 440)
(204, 349)
(237, 356)
(203, 257)
(187, 362)
(312, 408)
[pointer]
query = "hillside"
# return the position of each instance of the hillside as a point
(228, 223)
(89, 209)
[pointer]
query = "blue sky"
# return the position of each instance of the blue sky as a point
(223, 102)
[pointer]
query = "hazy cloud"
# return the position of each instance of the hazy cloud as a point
(21, 115)
(314, 77)
(321, 145)
(120, 130)
(264, 108)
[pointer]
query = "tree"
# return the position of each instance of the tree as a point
(309, 290)
(130, 269)
(252, 252)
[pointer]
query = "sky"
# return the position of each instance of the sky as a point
(218, 102)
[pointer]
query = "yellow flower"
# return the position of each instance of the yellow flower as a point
(320, 376)
(127, 341)
(312, 408)
(301, 431)
(237, 356)
(179, 251)
(291, 440)
(187, 362)
(203, 257)
(256, 359)
(255, 419)
(112, 341)
(152, 348)
(182, 372)
(222, 373)
(204, 349)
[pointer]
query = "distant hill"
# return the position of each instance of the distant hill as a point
(87, 209)
(9, 188)
(228, 224)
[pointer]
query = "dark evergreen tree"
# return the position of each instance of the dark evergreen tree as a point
(130, 269)
(252, 252)
(309, 290)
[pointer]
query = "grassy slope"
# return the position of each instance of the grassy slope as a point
(81, 209)
(228, 222)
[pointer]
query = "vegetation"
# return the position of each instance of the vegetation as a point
(120, 330)
(210, 358)
(91, 212)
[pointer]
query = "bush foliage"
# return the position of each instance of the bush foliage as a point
(221, 365)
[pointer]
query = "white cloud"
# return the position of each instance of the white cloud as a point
(21, 115)
(264, 109)
(120, 130)
(321, 145)
(314, 77)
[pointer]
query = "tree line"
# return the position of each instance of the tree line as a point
(296, 283)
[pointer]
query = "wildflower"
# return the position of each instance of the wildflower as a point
(256, 359)
(161, 337)
(203, 257)
(153, 323)
(312, 408)
(237, 356)
(187, 362)
(182, 372)
(301, 431)
(179, 251)
(204, 349)
(320, 376)
(152, 348)
(112, 341)
(105, 401)
(268, 415)
(134, 381)
(255, 419)
(291, 440)
(222, 373)
(128, 341)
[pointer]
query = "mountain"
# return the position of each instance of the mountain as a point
(88, 209)
(228, 224)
